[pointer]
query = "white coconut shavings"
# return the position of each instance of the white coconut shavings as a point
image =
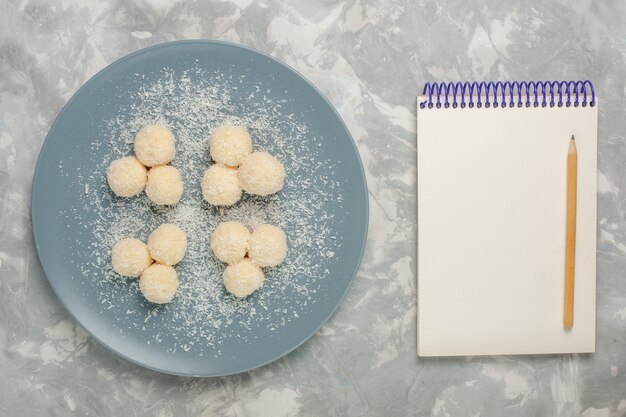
(203, 314)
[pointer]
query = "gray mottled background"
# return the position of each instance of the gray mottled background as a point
(369, 57)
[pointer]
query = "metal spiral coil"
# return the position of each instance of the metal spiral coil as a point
(509, 94)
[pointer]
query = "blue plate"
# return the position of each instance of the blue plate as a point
(193, 86)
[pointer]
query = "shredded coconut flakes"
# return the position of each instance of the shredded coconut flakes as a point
(203, 314)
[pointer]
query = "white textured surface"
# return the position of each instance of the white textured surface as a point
(369, 57)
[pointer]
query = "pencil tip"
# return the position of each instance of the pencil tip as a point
(572, 137)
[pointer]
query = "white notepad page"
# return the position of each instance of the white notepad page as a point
(491, 230)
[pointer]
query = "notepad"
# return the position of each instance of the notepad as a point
(491, 209)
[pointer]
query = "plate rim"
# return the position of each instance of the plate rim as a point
(34, 201)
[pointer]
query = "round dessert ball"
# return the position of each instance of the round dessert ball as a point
(229, 242)
(167, 244)
(261, 173)
(164, 186)
(229, 145)
(220, 186)
(243, 278)
(159, 283)
(154, 145)
(127, 176)
(130, 257)
(268, 245)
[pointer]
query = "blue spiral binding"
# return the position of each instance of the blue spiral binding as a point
(520, 94)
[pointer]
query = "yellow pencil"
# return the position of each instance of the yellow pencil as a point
(570, 235)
